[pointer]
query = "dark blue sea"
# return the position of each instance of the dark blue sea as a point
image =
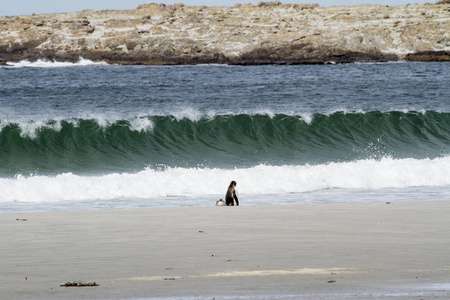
(98, 136)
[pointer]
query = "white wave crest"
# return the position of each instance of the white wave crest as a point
(307, 117)
(190, 113)
(43, 63)
(30, 129)
(141, 124)
(200, 182)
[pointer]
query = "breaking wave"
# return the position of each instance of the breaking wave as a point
(167, 183)
(223, 141)
(43, 63)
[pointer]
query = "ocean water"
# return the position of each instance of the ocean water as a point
(98, 136)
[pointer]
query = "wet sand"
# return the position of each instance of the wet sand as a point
(307, 251)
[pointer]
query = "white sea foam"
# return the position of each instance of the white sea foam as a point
(201, 182)
(307, 117)
(266, 111)
(43, 63)
(187, 113)
(30, 129)
(141, 124)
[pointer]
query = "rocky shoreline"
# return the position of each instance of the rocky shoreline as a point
(266, 33)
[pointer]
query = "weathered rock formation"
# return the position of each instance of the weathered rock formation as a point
(267, 33)
(429, 56)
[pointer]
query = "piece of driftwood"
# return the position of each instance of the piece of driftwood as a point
(79, 284)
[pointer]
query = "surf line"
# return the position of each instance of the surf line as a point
(305, 271)
(249, 273)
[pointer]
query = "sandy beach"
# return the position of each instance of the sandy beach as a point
(306, 251)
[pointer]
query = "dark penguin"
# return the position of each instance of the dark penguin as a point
(231, 198)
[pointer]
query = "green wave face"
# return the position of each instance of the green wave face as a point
(223, 141)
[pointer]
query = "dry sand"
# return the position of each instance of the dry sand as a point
(309, 251)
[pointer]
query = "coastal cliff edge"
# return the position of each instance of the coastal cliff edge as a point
(266, 33)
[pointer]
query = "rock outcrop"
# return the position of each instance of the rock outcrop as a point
(267, 33)
(429, 56)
